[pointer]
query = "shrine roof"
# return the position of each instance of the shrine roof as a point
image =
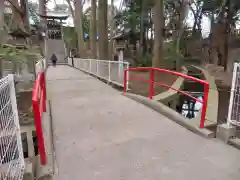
(53, 17)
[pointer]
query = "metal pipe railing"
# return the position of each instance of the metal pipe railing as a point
(111, 71)
(39, 106)
(152, 82)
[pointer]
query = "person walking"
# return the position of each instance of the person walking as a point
(54, 59)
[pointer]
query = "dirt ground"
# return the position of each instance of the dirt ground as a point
(24, 103)
(138, 84)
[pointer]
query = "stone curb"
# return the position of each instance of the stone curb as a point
(46, 171)
(171, 114)
(55, 169)
(235, 143)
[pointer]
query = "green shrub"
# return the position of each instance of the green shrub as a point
(146, 60)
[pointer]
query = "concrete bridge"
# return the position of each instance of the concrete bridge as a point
(97, 133)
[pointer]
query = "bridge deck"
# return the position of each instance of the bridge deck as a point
(100, 134)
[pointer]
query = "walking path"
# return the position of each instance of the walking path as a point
(101, 135)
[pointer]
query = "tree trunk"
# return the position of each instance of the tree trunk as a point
(73, 17)
(42, 11)
(25, 17)
(142, 7)
(151, 20)
(1, 32)
(226, 34)
(43, 25)
(112, 25)
(79, 26)
(93, 29)
(199, 24)
(197, 18)
(211, 49)
(158, 33)
(194, 28)
(17, 18)
(1, 21)
(103, 29)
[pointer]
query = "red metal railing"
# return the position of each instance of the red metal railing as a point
(152, 84)
(39, 106)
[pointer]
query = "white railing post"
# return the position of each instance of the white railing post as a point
(90, 66)
(97, 68)
(45, 63)
(109, 71)
(232, 94)
(65, 50)
(127, 75)
(45, 49)
(120, 61)
(81, 64)
(84, 64)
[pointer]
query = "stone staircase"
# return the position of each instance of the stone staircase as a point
(57, 47)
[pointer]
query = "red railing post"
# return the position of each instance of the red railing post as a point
(39, 87)
(39, 133)
(151, 89)
(125, 81)
(204, 105)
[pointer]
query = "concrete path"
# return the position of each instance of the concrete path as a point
(101, 135)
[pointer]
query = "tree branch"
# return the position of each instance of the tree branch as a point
(194, 13)
(17, 7)
(71, 9)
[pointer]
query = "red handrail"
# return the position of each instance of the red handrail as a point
(152, 83)
(39, 106)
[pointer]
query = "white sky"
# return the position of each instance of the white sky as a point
(51, 3)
